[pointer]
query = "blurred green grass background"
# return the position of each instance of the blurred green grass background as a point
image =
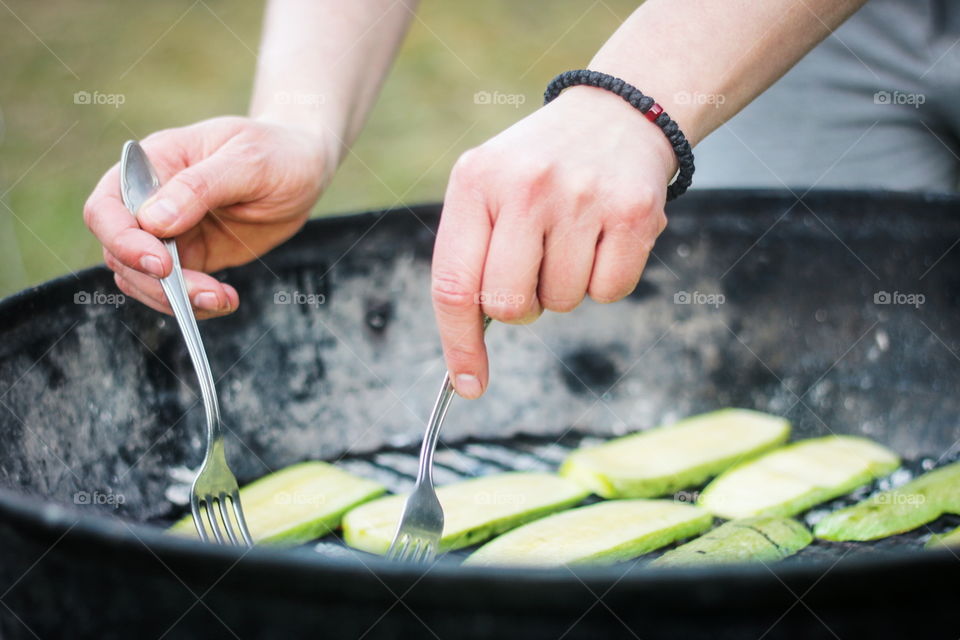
(179, 61)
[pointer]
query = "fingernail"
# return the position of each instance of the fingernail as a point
(468, 386)
(207, 301)
(161, 213)
(152, 265)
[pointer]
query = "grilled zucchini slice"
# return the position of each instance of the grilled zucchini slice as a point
(905, 508)
(794, 478)
(948, 539)
(766, 539)
(666, 459)
(297, 504)
(474, 510)
(602, 533)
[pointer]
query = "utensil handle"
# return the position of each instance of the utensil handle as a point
(439, 412)
(175, 287)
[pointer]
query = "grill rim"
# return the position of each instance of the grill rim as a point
(54, 522)
(151, 543)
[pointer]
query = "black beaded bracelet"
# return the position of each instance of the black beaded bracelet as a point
(643, 103)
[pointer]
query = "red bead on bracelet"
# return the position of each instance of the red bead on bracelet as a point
(653, 112)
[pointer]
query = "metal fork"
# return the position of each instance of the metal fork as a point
(215, 484)
(421, 526)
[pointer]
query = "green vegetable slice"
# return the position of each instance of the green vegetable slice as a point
(685, 454)
(948, 539)
(794, 478)
(766, 539)
(905, 508)
(603, 533)
(474, 510)
(297, 504)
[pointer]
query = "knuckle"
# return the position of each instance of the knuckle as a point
(505, 313)
(195, 184)
(462, 357)
(449, 290)
(642, 200)
(532, 180)
(607, 291)
(111, 261)
(559, 304)
(89, 212)
(517, 310)
(471, 164)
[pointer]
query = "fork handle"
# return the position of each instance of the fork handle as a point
(175, 287)
(439, 412)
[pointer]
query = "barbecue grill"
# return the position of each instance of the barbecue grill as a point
(837, 311)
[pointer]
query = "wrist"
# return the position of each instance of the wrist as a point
(616, 117)
(674, 95)
(323, 141)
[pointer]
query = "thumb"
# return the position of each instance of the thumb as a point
(216, 181)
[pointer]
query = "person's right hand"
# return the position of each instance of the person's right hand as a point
(232, 189)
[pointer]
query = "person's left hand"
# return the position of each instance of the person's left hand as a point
(565, 203)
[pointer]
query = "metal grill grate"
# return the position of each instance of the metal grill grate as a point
(396, 468)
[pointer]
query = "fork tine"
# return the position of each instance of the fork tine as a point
(427, 554)
(396, 547)
(404, 551)
(238, 511)
(198, 518)
(227, 522)
(415, 551)
(211, 514)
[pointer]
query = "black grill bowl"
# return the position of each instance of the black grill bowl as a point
(99, 419)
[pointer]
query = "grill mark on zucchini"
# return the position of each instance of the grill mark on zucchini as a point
(918, 502)
(765, 539)
(775, 544)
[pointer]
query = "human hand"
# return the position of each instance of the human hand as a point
(232, 189)
(565, 203)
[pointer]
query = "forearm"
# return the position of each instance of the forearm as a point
(704, 60)
(322, 62)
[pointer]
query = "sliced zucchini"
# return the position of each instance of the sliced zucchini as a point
(794, 478)
(765, 539)
(948, 539)
(602, 533)
(297, 504)
(905, 508)
(474, 510)
(667, 459)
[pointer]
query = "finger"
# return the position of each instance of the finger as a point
(132, 291)
(117, 229)
(619, 262)
(456, 273)
(208, 296)
(509, 289)
(567, 265)
(217, 181)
